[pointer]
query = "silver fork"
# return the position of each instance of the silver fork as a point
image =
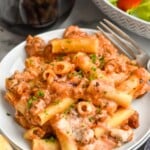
(124, 43)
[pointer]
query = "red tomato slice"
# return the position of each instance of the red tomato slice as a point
(128, 4)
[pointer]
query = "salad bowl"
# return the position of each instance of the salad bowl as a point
(123, 19)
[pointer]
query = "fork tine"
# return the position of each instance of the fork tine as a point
(124, 43)
(123, 35)
(117, 37)
(114, 41)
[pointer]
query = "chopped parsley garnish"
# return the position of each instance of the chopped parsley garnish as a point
(76, 73)
(69, 109)
(45, 111)
(93, 58)
(92, 76)
(70, 75)
(51, 139)
(102, 62)
(93, 68)
(56, 102)
(80, 73)
(91, 119)
(30, 101)
(98, 110)
(40, 93)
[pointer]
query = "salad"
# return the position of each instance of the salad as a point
(137, 8)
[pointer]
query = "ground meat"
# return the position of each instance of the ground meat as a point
(133, 121)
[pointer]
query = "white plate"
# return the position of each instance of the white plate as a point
(133, 24)
(15, 60)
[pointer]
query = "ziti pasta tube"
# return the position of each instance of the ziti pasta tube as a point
(4, 145)
(58, 106)
(64, 134)
(87, 45)
(121, 98)
(114, 121)
(45, 144)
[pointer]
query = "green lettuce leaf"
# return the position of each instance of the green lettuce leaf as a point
(142, 11)
(114, 2)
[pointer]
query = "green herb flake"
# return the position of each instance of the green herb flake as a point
(92, 76)
(93, 58)
(69, 109)
(72, 106)
(70, 75)
(76, 73)
(98, 110)
(91, 119)
(40, 93)
(102, 62)
(45, 111)
(51, 139)
(56, 102)
(79, 73)
(30, 101)
(93, 68)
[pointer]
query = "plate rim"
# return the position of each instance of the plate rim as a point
(136, 145)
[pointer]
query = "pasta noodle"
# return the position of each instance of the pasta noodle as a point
(58, 106)
(87, 45)
(34, 133)
(85, 108)
(50, 144)
(76, 92)
(129, 84)
(4, 144)
(49, 75)
(62, 67)
(63, 132)
(121, 98)
(82, 61)
(114, 121)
